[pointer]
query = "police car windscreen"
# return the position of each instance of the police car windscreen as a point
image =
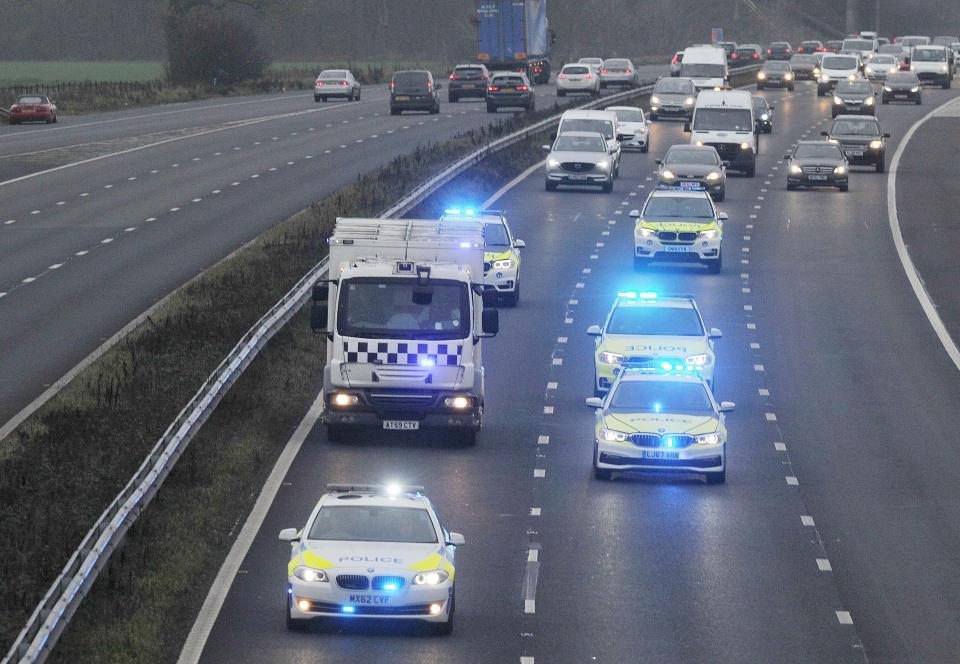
(656, 321)
(567, 143)
(358, 523)
(495, 235)
(722, 119)
(375, 308)
(702, 70)
(678, 207)
(660, 397)
(604, 127)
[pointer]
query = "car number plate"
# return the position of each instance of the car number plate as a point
(656, 454)
(469, 86)
(507, 89)
(678, 249)
(855, 153)
(687, 184)
(817, 177)
(369, 599)
(401, 425)
(403, 98)
(577, 177)
(900, 96)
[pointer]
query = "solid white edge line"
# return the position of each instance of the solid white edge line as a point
(510, 185)
(926, 302)
(200, 632)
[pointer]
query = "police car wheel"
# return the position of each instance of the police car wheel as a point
(602, 474)
(716, 478)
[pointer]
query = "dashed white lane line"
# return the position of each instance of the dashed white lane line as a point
(234, 184)
(780, 447)
(580, 284)
(526, 660)
(548, 410)
(844, 618)
(754, 345)
(55, 266)
(174, 209)
(272, 169)
(34, 211)
(9, 221)
(587, 270)
(539, 472)
(823, 564)
(215, 191)
(149, 219)
(82, 253)
(748, 307)
(533, 555)
(568, 321)
(807, 521)
(254, 176)
(59, 203)
(771, 417)
(792, 481)
(758, 367)
(543, 440)
(29, 280)
(751, 326)
(764, 392)
(553, 385)
(196, 200)
(3, 294)
(130, 229)
(106, 240)
(535, 511)
(557, 361)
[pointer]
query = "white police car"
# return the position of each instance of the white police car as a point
(647, 330)
(501, 252)
(370, 551)
(679, 224)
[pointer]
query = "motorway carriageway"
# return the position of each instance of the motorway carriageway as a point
(86, 249)
(835, 538)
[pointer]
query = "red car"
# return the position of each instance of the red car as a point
(33, 108)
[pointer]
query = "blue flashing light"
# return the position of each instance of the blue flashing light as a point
(389, 587)
(627, 295)
(348, 609)
(669, 442)
(428, 362)
(466, 212)
(657, 407)
(648, 295)
(666, 366)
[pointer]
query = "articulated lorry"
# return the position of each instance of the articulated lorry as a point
(514, 35)
(404, 313)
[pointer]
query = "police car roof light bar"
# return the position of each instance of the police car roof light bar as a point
(372, 488)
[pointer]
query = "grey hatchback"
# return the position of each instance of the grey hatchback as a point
(414, 91)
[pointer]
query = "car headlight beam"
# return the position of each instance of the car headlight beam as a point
(667, 174)
(432, 578)
(612, 436)
(839, 170)
(837, 100)
(606, 357)
(713, 176)
(709, 439)
(795, 170)
(876, 145)
(506, 264)
(310, 574)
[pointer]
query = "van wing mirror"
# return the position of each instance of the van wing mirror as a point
(635, 214)
(321, 291)
(490, 298)
(686, 127)
(456, 539)
(318, 317)
(490, 321)
(595, 402)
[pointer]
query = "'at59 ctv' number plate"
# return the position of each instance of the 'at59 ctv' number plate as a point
(401, 425)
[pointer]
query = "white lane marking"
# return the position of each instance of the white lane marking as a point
(807, 521)
(580, 284)
(539, 472)
(533, 555)
(568, 321)
(29, 280)
(291, 163)
(764, 392)
(562, 340)
(217, 154)
(3, 294)
(82, 253)
(196, 200)
(573, 302)
(792, 481)
(526, 660)
(557, 361)
(751, 326)
(130, 229)
(195, 159)
(543, 440)
(215, 191)
(149, 219)
(823, 564)
(746, 238)
(178, 165)
(254, 176)
(552, 385)
(587, 270)
(780, 447)
(748, 307)
(55, 266)
(197, 639)
(771, 417)
(548, 410)
(754, 346)
(844, 617)
(35, 212)
(234, 184)
(510, 185)
(9, 221)
(745, 250)
(744, 275)
(913, 276)
(272, 169)
(106, 240)
(534, 511)
(326, 152)
(174, 209)
(745, 290)
(59, 203)
(758, 367)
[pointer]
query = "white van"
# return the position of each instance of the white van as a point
(837, 67)
(724, 120)
(866, 48)
(604, 122)
(931, 64)
(706, 65)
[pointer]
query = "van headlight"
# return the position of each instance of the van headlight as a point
(654, 99)
(876, 145)
(612, 436)
(761, 76)
(458, 403)
(310, 574)
(915, 88)
(606, 357)
(837, 101)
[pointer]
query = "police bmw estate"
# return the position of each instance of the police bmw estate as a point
(678, 224)
(660, 422)
(501, 252)
(372, 552)
(647, 330)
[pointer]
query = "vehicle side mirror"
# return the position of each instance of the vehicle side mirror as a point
(595, 331)
(595, 402)
(439, 86)
(886, 135)
(545, 147)
(686, 127)
(723, 216)
(519, 244)
(635, 214)
(715, 333)
(490, 299)
(320, 291)
(726, 164)
(289, 535)
(825, 133)
(490, 321)
(727, 406)
(318, 317)
(786, 157)
(456, 539)
(659, 162)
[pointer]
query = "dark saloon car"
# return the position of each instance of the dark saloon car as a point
(509, 89)
(779, 50)
(468, 81)
(861, 139)
(775, 74)
(694, 167)
(811, 46)
(33, 108)
(817, 164)
(805, 66)
(414, 91)
(762, 114)
(902, 86)
(854, 98)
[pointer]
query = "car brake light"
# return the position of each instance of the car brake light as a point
(429, 85)
(522, 88)
(604, 71)
(453, 77)
(756, 56)
(769, 51)
(588, 75)
(562, 77)
(344, 83)
(319, 84)
(733, 56)
(393, 86)
(492, 88)
(629, 71)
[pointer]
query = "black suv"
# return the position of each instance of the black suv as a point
(509, 89)
(779, 51)
(414, 91)
(861, 139)
(468, 81)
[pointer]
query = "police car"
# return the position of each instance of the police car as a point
(679, 224)
(657, 332)
(370, 551)
(501, 255)
(653, 421)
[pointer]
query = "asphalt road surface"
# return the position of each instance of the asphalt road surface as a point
(835, 538)
(144, 200)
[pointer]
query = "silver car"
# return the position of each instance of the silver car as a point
(580, 158)
(336, 83)
(881, 66)
(633, 127)
(594, 63)
(619, 72)
(673, 97)
(577, 79)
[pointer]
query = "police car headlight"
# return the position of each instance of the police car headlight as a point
(434, 578)
(667, 174)
(310, 574)
(458, 403)
(838, 101)
(654, 99)
(876, 145)
(702, 360)
(642, 130)
(839, 170)
(744, 146)
(915, 88)
(506, 264)
(868, 101)
(795, 170)
(688, 101)
(710, 439)
(612, 436)
(344, 400)
(710, 234)
(645, 232)
(607, 357)
(714, 176)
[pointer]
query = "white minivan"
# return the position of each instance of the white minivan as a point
(837, 67)
(706, 65)
(604, 122)
(724, 120)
